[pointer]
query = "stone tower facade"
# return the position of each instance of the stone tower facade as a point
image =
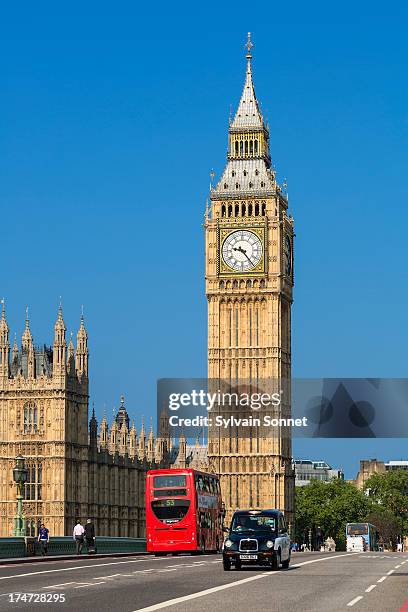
(249, 280)
(73, 471)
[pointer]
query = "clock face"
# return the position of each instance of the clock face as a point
(288, 256)
(242, 250)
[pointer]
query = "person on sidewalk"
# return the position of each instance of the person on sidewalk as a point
(90, 536)
(79, 537)
(43, 539)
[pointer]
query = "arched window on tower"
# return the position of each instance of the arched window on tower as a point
(236, 148)
(223, 210)
(30, 418)
(250, 210)
(263, 209)
(237, 210)
(256, 209)
(256, 147)
(230, 210)
(241, 147)
(251, 147)
(246, 147)
(243, 212)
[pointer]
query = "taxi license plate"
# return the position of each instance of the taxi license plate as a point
(248, 557)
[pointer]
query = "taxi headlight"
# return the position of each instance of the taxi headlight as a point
(228, 543)
(269, 544)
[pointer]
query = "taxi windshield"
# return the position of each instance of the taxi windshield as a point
(253, 523)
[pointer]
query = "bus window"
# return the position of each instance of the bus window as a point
(170, 510)
(357, 529)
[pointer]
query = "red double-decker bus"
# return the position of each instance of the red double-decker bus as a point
(184, 511)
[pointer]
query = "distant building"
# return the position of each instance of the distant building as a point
(368, 467)
(307, 470)
(185, 455)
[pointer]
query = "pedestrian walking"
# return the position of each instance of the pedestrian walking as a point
(90, 536)
(43, 539)
(79, 537)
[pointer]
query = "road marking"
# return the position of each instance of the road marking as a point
(397, 566)
(55, 586)
(390, 572)
(70, 569)
(83, 586)
(354, 601)
(167, 570)
(382, 579)
(229, 585)
(370, 588)
(404, 606)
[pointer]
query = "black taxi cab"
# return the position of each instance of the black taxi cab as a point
(258, 537)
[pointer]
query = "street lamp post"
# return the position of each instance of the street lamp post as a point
(20, 474)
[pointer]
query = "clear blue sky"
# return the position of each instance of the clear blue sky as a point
(112, 116)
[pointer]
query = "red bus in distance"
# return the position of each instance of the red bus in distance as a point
(184, 511)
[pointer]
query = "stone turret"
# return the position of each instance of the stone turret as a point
(81, 358)
(150, 445)
(71, 357)
(4, 344)
(104, 434)
(133, 441)
(28, 349)
(142, 443)
(60, 346)
(93, 430)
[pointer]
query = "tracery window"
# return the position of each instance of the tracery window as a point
(33, 486)
(30, 418)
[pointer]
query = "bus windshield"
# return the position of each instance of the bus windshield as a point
(170, 510)
(357, 529)
(247, 522)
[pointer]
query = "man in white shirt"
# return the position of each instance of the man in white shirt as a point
(79, 537)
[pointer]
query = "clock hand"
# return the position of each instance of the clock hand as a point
(241, 250)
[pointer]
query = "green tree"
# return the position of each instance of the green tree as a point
(388, 525)
(389, 492)
(329, 505)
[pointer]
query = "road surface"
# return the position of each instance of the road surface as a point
(318, 582)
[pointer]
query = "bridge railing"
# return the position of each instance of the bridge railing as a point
(65, 545)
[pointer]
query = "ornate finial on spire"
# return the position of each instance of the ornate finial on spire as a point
(249, 46)
(27, 317)
(285, 184)
(3, 308)
(93, 410)
(122, 401)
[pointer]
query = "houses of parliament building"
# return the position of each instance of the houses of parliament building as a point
(74, 471)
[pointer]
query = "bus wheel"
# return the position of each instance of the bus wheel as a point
(226, 563)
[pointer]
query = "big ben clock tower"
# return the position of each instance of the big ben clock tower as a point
(249, 280)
